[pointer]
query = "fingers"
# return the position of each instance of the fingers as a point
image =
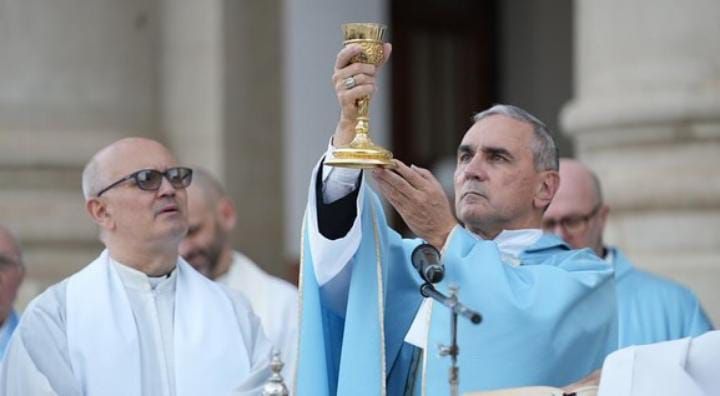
(423, 172)
(387, 49)
(364, 76)
(410, 174)
(360, 79)
(345, 54)
(393, 185)
(354, 70)
(348, 98)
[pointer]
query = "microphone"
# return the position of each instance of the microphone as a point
(426, 260)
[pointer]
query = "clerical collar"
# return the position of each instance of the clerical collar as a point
(609, 255)
(512, 243)
(138, 280)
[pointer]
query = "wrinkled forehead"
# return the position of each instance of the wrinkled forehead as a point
(126, 158)
(500, 132)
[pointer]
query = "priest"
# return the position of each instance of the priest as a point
(549, 311)
(138, 320)
(650, 308)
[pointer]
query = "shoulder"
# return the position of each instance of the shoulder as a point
(46, 311)
(647, 283)
(551, 250)
(244, 268)
(281, 287)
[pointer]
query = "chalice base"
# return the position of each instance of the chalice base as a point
(361, 158)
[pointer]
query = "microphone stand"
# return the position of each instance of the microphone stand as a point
(456, 308)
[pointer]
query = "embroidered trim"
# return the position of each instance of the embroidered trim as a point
(381, 303)
(426, 353)
(300, 304)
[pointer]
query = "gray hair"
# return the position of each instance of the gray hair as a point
(545, 151)
(91, 178)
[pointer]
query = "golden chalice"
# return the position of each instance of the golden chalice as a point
(362, 152)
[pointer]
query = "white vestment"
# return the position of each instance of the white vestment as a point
(274, 301)
(135, 335)
(688, 366)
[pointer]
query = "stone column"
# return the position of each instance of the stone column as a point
(646, 117)
(222, 109)
(74, 76)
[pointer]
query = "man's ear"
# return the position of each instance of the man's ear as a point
(603, 215)
(227, 215)
(548, 186)
(98, 211)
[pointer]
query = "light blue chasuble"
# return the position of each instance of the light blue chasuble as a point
(653, 309)
(549, 321)
(6, 331)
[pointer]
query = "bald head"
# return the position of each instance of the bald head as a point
(578, 180)
(577, 213)
(105, 166)
(208, 186)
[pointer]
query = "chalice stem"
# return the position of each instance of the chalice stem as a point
(363, 119)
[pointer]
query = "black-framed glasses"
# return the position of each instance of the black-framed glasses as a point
(573, 224)
(151, 179)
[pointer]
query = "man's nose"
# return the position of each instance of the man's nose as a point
(166, 189)
(475, 169)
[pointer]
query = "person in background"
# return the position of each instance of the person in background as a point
(212, 217)
(651, 309)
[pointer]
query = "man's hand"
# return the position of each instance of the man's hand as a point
(418, 197)
(364, 76)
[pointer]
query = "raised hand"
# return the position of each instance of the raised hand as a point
(419, 198)
(352, 81)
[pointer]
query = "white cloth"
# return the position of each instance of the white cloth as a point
(170, 352)
(688, 366)
(273, 300)
(338, 182)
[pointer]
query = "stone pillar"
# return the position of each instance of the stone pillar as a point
(222, 109)
(646, 117)
(74, 76)
(191, 72)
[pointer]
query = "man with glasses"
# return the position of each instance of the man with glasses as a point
(12, 272)
(138, 319)
(651, 308)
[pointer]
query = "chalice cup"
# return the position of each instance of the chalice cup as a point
(362, 152)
